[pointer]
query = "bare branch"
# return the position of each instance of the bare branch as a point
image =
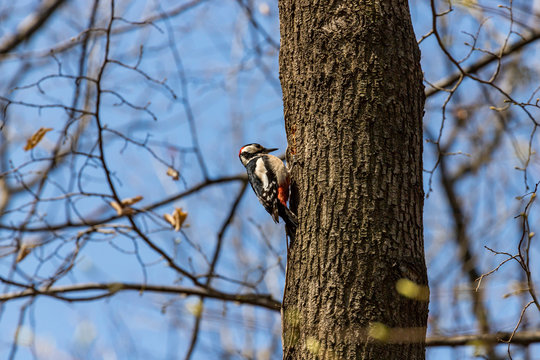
(109, 289)
(29, 25)
(520, 338)
(482, 63)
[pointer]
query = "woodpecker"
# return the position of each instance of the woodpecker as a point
(270, 180)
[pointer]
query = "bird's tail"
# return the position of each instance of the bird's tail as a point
(291, 222)
(288, 216)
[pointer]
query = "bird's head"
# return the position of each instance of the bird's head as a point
(249, 151)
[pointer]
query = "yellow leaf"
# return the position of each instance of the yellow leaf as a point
(196, 309)
(313, 345)
(412, 290)
(379, 331)
(36, 138)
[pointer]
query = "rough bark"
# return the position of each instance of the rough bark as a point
(353, 101)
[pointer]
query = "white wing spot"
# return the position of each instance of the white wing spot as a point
(260, 172)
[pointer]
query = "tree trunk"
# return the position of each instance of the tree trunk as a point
(353, 101)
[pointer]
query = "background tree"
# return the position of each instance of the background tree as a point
(353, 102)
(104, 102)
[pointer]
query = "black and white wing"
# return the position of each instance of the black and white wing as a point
(264, 184)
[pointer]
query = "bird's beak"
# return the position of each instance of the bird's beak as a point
(269, 150)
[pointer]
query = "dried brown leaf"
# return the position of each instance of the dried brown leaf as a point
(36, 138)
(179, 217)
(25, 249)
(169, 218)
(128, 211)
(132, 200)
(123, 209)
(176, 219)
(174, 174)
(116, 206)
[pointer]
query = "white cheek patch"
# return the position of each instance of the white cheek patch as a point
(260, 172)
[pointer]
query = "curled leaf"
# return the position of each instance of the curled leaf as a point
(25, 249)
(116, 206)
(179, 217)
(120, 209)
(169, 218)
(174, 174)
(176, 219)
(23, 252)
(36, 138)
(132, 200)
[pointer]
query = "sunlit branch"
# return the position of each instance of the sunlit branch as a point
(520, 338)
(109, 289)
